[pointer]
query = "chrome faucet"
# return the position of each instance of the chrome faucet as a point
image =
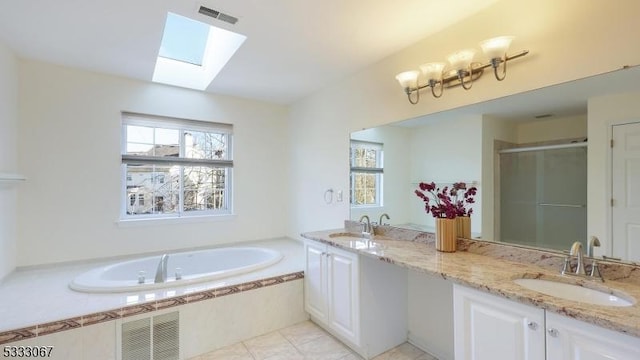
(367, 225)
(161, 273)
(576, 250)
(593, 242)
(381, 216)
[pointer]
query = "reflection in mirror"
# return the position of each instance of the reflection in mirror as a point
(542, 187)
(527, 154)
(383, 190)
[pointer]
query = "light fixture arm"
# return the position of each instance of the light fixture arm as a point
(409, 91)
(474, 72)
(495, 63)
(462, 74)
(433, 84)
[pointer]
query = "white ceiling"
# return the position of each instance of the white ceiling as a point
(294, 47)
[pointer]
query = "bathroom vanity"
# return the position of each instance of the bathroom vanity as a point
(492, 316)
(491, 327)
(343, 288)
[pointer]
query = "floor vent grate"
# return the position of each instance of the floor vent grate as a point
(156, 338)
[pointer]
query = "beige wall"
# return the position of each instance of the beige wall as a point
(8, 157)
(63, 110)
(70, 131)
(446, 152)
(561, 36)
(556, 128)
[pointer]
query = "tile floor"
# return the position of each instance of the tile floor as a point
(303, 341)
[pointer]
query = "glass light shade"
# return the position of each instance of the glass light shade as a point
(496, 47)
(408, 79)
(432, 71)
(461, 60)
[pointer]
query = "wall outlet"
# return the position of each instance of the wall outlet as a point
(339, 196)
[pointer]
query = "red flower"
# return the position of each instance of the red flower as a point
(448, 203)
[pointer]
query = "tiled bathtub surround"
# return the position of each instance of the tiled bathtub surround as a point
(491, 267)
(92, 319)
(25, 314)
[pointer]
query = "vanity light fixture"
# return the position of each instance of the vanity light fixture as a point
(461, 71)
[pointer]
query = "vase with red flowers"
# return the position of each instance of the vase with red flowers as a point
(450, 206)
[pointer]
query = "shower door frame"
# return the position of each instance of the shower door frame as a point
(497, 187)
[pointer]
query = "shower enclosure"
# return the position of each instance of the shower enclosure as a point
(543, 195)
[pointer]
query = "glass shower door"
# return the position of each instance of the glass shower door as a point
(543, 197)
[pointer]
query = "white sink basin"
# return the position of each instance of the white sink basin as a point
(576, 292)
(357, 241)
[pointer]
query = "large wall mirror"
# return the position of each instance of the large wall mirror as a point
(531, 155)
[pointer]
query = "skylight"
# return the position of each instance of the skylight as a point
(184, 39)
(193, 53)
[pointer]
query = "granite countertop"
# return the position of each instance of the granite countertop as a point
(491, 267)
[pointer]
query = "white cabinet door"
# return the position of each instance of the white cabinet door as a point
(570, 339)
(332, 289)
(343, 286)
(487, 327)
(315, 281)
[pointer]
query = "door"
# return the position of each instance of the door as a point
(344, 294)
(315, 281)
(487, 327)
(569, 339)
(543, 196)
(626, 191)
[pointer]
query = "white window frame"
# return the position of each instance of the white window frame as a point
(378, 171)
(183, 126)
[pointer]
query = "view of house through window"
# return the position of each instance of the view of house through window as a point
(175, 167)
(366, 173)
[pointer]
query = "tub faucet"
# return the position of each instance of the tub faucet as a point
(161, 273)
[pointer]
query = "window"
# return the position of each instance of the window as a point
(182, 167)
(184, 39)
(366, 173)
(192, 53)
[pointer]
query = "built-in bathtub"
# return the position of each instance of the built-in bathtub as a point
(183, 268)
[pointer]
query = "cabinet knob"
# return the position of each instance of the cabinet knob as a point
(553, 332)
(532, 325)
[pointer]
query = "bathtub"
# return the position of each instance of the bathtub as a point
(183, 268)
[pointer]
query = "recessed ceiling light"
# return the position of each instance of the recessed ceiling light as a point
(192, 53)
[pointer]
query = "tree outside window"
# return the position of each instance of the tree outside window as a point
(366, 173)
(181, 167)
